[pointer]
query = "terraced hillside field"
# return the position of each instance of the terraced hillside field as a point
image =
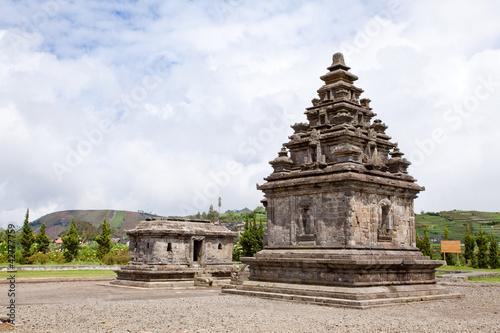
(456, 221)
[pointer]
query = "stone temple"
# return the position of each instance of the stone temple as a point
(168, 252)
(341, 226)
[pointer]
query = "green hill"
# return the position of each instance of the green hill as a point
(60, 221)
(122, 220)
(456, 221)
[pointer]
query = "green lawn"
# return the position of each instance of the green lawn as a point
(55, 274)
(465, 268)
(495, 279)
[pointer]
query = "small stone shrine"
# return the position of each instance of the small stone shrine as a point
(341, 225)
(167, 252)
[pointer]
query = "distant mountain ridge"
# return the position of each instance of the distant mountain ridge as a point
(60, 221)
(122, 220)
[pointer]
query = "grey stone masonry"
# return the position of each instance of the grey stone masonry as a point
(168, 250)
(340, 207)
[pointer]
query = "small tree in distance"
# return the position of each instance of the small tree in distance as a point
(469, 245)
(424, 245)
(212, 214)
(42, 240)
(71, 243)
(494, 259)
(27, 239)
(104, 240)
(482, 245)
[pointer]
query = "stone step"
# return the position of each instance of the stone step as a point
(339, 294)
(339, 302)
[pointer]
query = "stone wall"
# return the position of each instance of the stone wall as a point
(328, 217)
(178, 250)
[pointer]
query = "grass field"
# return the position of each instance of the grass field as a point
(495, 279)
(465, 268)
(118, 219)
(55, 274)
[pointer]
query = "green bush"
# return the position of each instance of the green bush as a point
(118, 255)
(86, 253)
(19, 256)
(93, 245)
(39, 258)
(237, 251)
(56, 257)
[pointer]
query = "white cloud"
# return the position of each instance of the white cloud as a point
(194, 87)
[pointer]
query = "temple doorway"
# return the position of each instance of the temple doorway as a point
(197, 250)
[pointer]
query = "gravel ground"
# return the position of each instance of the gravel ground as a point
(90, 307)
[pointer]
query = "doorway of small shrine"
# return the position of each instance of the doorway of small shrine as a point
(197, 250)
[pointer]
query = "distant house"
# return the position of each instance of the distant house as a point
(124, 241)
(58, 241)
(120, 240)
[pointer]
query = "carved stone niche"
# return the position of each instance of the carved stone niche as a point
(385, 222)
(305, 229)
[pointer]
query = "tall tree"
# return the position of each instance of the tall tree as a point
(71, 243)
(450, 259)
(494, 260)
(469, 245)
(482, 245)
(27, 239)
(104, 240)
(252, 239)
(42, 240)
(212, 214)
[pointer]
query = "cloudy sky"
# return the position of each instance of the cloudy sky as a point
(164, 106)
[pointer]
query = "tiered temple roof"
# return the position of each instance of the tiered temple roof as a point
(340, 135)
